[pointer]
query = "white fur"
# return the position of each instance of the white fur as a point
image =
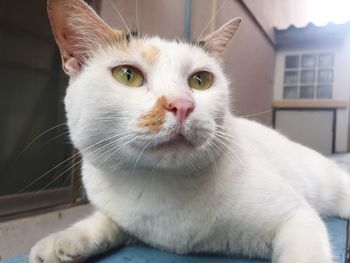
(79, 240)
(243, 188)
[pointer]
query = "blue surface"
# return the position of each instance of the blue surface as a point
(140, 254)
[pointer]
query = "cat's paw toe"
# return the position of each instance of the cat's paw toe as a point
(44, 251)
(58, 248)
(69, 248)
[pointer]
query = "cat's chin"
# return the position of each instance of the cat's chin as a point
(177, 142)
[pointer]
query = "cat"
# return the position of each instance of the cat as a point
(166, 163)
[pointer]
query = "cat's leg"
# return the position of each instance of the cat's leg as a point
(326, 187)
(331, 194)
(91, 236)
(302, 238)
(341, 207)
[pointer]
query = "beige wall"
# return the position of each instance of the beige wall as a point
(154, 17)
(249, 60)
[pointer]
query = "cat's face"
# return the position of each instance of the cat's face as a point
(164, 121)
(145, 102)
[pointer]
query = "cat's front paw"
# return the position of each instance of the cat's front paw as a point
(44, 251)
(57, 248)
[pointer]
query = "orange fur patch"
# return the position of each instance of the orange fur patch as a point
(154, 119)
(150, 54)
(117, 38)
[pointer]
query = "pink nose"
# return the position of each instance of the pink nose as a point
(181, 108)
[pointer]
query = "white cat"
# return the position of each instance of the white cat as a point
(164, 161)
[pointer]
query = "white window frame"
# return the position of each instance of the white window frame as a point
(300, 68)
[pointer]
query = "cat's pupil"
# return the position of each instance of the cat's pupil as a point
(128, 73)
(198, 79)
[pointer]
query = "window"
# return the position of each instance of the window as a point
(308, 76)
(37, 170)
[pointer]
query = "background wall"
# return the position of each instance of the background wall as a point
(281, 14)
(32, 87)
(341, 86)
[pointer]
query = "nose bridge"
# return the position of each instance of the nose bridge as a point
(169, 80)
(178, 93)
(171, 88)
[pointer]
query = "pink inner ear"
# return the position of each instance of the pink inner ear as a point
(66, 45)
(60, 30)
(69, 49)
(77, 30)
(59, 17)
(71, 66)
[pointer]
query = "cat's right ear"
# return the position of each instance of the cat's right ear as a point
(215, 43)
(78, 31)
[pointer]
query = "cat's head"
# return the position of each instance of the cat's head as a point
(141, 101)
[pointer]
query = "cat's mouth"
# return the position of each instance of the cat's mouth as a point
(178, 141)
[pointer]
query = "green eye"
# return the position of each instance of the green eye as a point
(128, 75)
(201, 80)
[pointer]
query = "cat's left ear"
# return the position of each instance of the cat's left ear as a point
(78, 31)
(215, 43)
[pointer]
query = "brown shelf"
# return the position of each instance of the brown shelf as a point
(310, 104)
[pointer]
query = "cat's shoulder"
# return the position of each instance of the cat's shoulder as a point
(255, 132)
(248, 125)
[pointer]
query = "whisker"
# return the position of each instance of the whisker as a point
(118, 149)
(188, 161)
(109, 116)
(78, 192)
(46, 173)
(259, 113)
(57, 177)
(155, 168)
(73, 165)
(210, 21)
(139, 156)
(56, 137)
(233, 141)
(120, 15)
(63, 162)
(37, 137)
(225, 134)
(218, 148)
(211, 157)
(137, 18)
